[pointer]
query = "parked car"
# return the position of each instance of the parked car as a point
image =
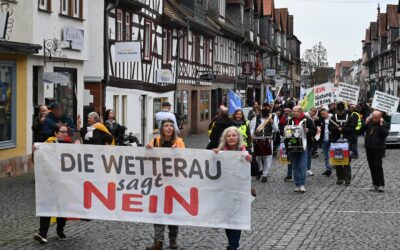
(394, 132)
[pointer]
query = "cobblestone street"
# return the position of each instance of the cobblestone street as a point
(327, 216)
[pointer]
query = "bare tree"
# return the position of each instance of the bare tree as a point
(314, 59)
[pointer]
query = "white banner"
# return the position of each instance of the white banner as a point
(323, 94)
(165, 186)
(385, 102)
(348, 93)
(127, 52)
(164, 76)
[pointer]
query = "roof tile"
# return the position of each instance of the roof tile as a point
(382, 25)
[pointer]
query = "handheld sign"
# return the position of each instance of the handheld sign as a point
(385, 102)
(348, 93)
(323, 94)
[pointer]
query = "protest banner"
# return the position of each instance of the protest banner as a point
(348, 93)
(164, 186)
(323, 94)
(385, 102)
(308, 101)
(335, 90)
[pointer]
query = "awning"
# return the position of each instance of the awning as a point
(19, 48)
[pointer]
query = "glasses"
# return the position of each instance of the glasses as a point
(63, 132)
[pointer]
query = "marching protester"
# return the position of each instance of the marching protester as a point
(323, 122)
(54, 118)
(376, 131)
(61, 135)
(231, 139)
(96, 133)
(243, 125)
(221, 123)
(165, 113)
(342, 127)
(356, 116)
(252, 112)
(282, 123)
(262, 127)
(168, 138)
(117, 130)
(313, 114)
(38, 123)
(298, 159)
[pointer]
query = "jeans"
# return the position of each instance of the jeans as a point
(299, 165)
(374, 157)
(354, 147)
(325, 148)
(309, 150)
(160, 229)
(289, 170)
(233, 238)
(45, 223)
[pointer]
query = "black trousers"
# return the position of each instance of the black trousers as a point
(343, 173)
(374, 158)
(45, 223)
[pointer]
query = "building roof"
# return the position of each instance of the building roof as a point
(374, 30)
(170, 12)
(392, 16)
(284, 16)
(290, 25)
(382, 25)
(367, 35)
(269, 8)
(278, 19)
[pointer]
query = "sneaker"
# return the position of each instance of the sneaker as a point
(381, 189)
(327, 173)
(339, 182)
(310, 173)
(61, 236)
(297, 189)
(302, 189)
(40, 239)
(374, 188)
(347, 183)
(315, 156)
(264, 179)
(288, 178)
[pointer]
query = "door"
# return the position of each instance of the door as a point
(194, 110)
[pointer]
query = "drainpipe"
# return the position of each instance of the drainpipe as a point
(106, 48)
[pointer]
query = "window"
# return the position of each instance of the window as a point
(204, 105)
(156, 108)
(66, 95)
(45, 5)
(127, 26)
(7, 105)
(119, 25)
(206, 51)
(147, 41)
(183, 47)
(196, 48)
(73, 8)
(124, 110)
(221, 8)
(116, 106)
(182, 98)
(167, 55)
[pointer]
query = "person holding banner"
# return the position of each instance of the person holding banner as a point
(96, 133)
(262, 128)
(231, 139)
(243, 125)
(298, 154)
(376, 132)
(61, 135)
(342, 127)
(222, 122)
(168, 138)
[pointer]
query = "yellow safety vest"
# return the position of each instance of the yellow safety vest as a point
(243, 131)
(359, 122)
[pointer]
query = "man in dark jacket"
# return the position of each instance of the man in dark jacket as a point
(324, 122)
(299, 159)
(376, 132)
(223, 122)
(342, 126)
(55, 117)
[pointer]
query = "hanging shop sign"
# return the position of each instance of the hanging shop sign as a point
(127, 51)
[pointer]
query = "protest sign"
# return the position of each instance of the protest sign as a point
(323, 94)
(165, 186)
(348, 93)
(385, 102)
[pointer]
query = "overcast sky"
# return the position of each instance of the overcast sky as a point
(339, 24)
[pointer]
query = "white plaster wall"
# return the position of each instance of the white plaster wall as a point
(133, 123)
(22, 30)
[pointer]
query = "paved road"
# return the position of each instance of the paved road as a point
(325, 217)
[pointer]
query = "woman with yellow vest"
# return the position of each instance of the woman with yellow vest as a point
(243, 125)
(96, 132)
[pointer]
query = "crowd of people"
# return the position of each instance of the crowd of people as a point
(282, 129)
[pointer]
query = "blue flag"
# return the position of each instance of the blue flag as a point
(234, 102)
(268, 97)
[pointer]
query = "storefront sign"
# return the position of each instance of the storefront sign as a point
(270, 72)
(348, 93)
(74, 36)
(56, 78)
(189, 187)
(247, 68)
(164, 76)
(127, 51)
(3, 23)
(323, 94)
(385, 102)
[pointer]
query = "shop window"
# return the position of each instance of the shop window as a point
(116, 107)
(147, 41)
(66, 94)
(7, 105)
(204, 105)
(156, 108)
(183, 105)
(167, 55)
